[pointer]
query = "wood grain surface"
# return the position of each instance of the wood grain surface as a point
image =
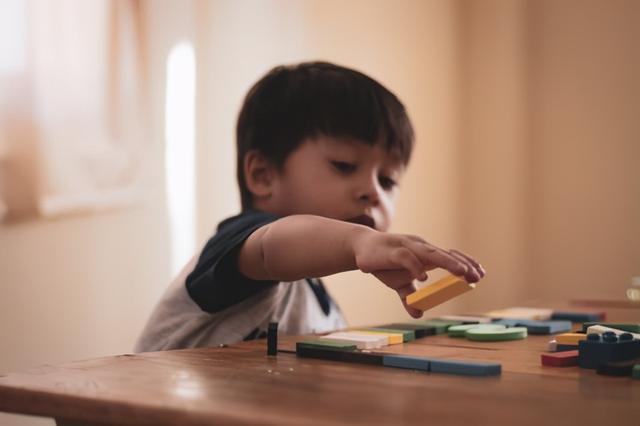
(240, 384)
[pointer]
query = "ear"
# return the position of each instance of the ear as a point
(259, 174)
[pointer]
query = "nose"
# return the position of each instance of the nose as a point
(369, 191)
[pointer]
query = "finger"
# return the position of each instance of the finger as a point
(472, 274)
(408, 260)
(403, 292)
(471, 260)
(435, 257)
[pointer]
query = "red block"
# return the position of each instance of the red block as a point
(560, 359)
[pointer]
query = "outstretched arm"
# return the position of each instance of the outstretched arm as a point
(302, 246)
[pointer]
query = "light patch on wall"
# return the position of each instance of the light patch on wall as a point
(180, 152)
(13, 36)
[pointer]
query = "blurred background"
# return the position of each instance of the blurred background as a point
(117, 155)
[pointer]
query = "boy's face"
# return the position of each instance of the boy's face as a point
(341, 179)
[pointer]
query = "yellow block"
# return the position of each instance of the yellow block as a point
(439, 292)
(570, 338)
(394, 338)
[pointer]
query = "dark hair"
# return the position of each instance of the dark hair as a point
(293, 103)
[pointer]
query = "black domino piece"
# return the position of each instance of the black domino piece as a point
(344, 356)
(272, 339)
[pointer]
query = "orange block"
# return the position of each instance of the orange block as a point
(439, 292)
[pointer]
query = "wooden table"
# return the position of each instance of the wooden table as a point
(239, 384)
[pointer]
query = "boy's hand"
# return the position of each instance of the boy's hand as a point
(397, 260)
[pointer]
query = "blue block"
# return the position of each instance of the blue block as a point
(576, 316)
(406, 361)
(537, 327)
(593, 353)
(466, 368)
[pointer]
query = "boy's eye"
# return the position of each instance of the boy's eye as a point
(387, 183)
(343, 167)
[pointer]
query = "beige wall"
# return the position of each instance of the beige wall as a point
(527, 120)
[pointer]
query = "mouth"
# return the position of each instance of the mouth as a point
(363, 220)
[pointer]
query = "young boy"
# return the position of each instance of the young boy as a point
(320, 149)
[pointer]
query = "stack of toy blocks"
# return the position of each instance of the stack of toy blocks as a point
(610, 351)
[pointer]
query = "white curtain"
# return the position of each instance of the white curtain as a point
(73, 117)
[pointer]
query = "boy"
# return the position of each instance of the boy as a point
(320, 149)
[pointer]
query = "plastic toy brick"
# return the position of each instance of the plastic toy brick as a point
(600, 329)
(345, 356)
(334, 345)
(461, 330)
(362, 341)
(394, 338)
(407, 335)
(578, 316)
(466, 319)
(441, 326)
(539, 314)
(465, 368)
(560, 359)
(406, 361)
(537, 327)
(446, 366)
(594, 352)
(631, 328)
(487, 335)
(570, 338)
(438, 292)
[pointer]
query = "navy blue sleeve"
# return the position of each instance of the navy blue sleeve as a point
(216, 283)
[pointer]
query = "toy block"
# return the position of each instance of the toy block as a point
(487, 335)
(439, 292)
(419, 330)
(406, 361)
(600, 329)
(521, 313)
(440, 325)
(394, 338)
(570, 338)
(272, 339)
(461, 330)
(465, 368)
(335, 345)
(635, 373)
(563, 348)
(466, 319)
(631, 328)
(537, 327)
(620, 368)
(593, 352)
(362, 341)
(560, 359)
(345, 356)
(407, 335)
(578, 316)
(552, 346)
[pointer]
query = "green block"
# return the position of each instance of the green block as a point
(461, 330)
(335, 345)
(635, 373)
(488, 335)
(407, 335)
(441, 326)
